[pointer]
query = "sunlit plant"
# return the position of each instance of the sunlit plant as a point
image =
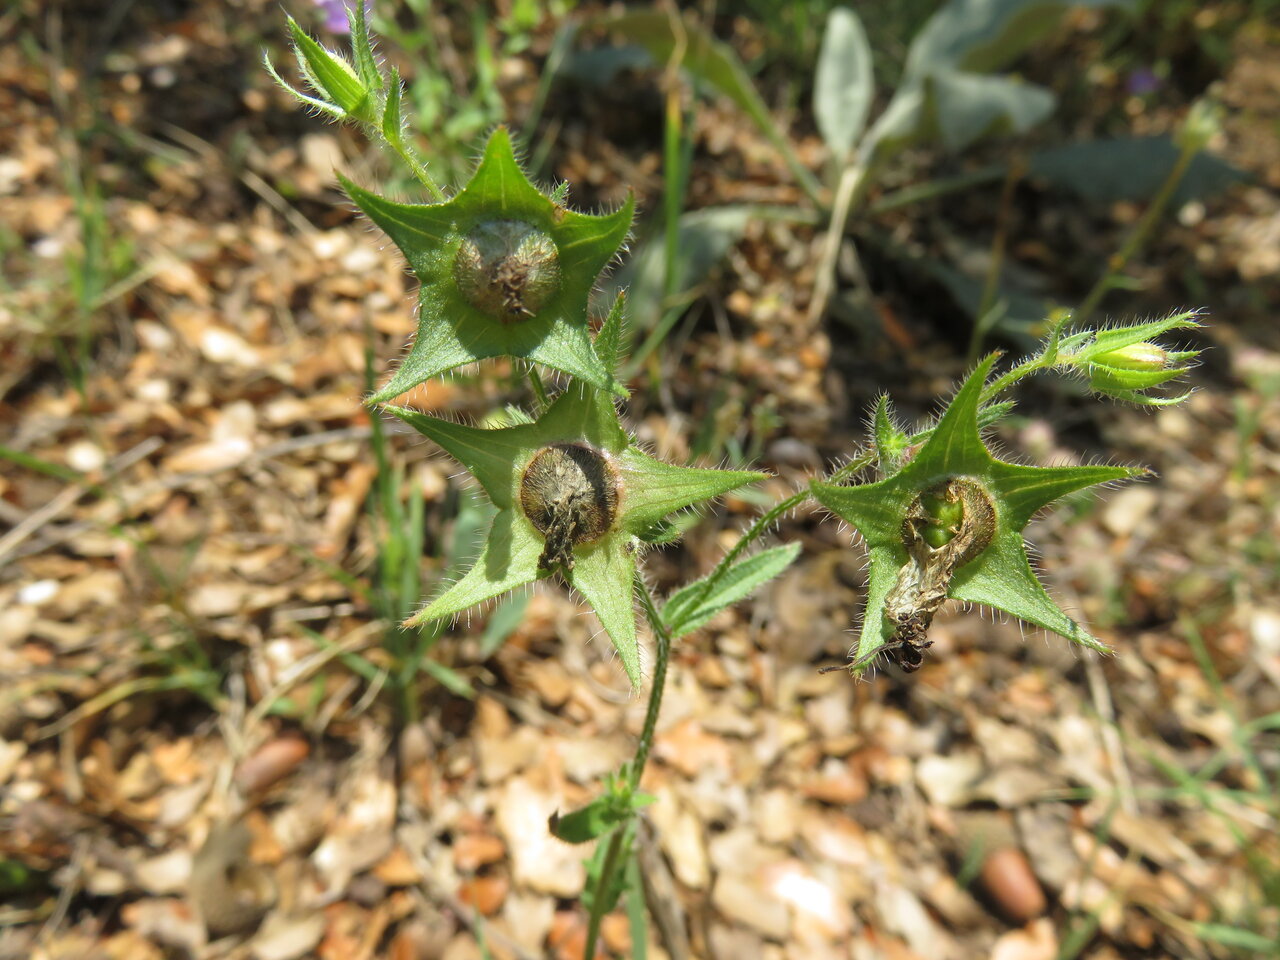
(506, 270)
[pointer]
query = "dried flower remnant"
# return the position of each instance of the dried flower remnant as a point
(947, 526)
(948, 523)
(574, 495)
(569, 492)
(507, 269)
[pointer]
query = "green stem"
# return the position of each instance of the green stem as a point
(416, 167)
(673, 171)
(663, 636)
(988, 314)
(605, 881)
(850, 192)
(636, 769)
(1138, 236)
(1012, 376)
(764, 522)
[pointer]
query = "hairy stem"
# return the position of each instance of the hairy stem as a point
(663, 636)
(612, 858)
(416, 168)
(616, 838)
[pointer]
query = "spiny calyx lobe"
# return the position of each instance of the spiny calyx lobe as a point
(507, 269)
(947, 526)
(569, 492)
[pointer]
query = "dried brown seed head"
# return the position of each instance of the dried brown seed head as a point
(507, 269)
(569, 492)
(957, 515)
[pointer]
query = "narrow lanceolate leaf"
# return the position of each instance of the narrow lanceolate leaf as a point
(502, 271)
(693, 605)
(362, 46)
(843, 84)
(949, 523)
(572, 492)
(609, 339)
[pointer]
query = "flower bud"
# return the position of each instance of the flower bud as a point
(345, 92)
(1122, 361)
(1203, 122)
(1136, 356)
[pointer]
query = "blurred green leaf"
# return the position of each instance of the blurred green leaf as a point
(1236, 938)
(504, 620)
(987, 35)
(843, 84)
(969, 106)
(1131, 168)
(448, 678)
(599, 816)
(943, 95)
(705, 237)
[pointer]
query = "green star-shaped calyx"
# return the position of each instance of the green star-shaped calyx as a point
(574, 495)
(503, 270)
(948, 524)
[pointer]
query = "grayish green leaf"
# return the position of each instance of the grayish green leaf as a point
(843, 84)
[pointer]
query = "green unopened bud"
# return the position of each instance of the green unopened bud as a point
(1203, 122)
(1136, 356)
(1122, 361)
(1139, 366)
(345, 93)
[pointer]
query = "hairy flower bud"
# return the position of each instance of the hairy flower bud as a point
(1122, 362)
(507, 269)
(1135, 356)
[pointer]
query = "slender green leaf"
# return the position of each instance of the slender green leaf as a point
(506, 617)
(637, 916)
(1237, 937)
(689, 609)
(448, 678)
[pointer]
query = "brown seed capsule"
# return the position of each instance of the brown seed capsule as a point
(507, 269)
(569, 492)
